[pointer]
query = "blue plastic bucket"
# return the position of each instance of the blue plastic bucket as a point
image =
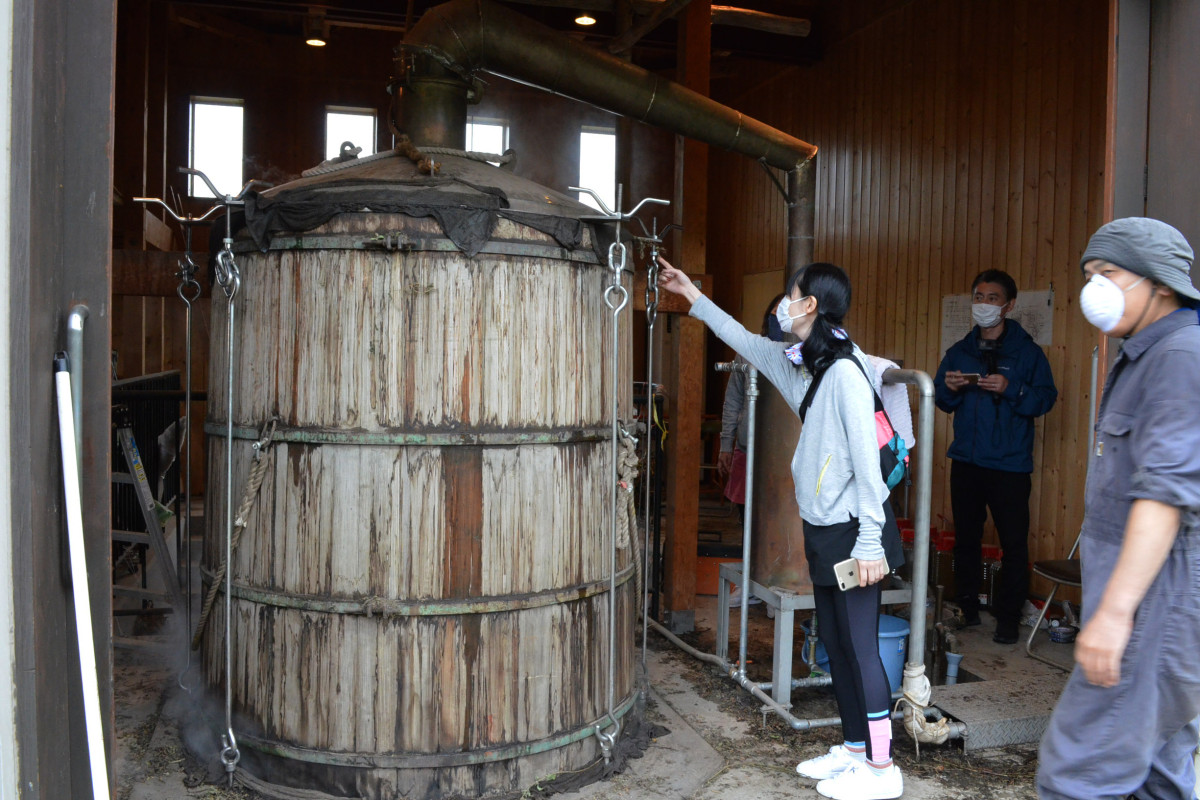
(893, 647)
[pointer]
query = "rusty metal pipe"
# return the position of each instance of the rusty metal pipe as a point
(778, 531)
(469, 36)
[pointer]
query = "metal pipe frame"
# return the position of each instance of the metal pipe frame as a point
(957, 729)
(752, 401)
(920, 567)
(75, 323)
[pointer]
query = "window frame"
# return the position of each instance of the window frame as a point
(361, 111)
(193, 181)
(606, 130)
(495, 122)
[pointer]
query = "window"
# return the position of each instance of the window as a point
(215, 145)
(486, 135)
(598, 165)
(355, 125)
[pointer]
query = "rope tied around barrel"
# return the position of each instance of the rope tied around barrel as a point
(425, 164)
(241, 520)
(506, 157)
(627, 473)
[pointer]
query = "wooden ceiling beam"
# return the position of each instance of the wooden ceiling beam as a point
(664, 12)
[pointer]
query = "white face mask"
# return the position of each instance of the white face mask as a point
(985, 315)
(782, 316)
(1103, 302)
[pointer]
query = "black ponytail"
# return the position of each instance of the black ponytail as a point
(827, 341)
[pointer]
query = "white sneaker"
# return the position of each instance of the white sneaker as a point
(830, 765)
(860, 783)
(735, 599)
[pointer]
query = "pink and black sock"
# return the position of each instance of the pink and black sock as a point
(879, 726)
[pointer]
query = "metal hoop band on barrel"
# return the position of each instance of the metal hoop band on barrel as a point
(408, 242)
(429, 760)
(371, 606)
(416, 438)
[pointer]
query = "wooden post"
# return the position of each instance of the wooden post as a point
(685, 384)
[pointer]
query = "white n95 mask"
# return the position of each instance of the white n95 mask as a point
(1103, 302)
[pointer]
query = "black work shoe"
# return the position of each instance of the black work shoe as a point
(1006, 633)
(971, 619)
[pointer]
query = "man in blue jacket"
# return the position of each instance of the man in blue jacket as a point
(995, 382)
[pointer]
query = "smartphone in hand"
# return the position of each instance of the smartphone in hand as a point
(971, 377)
(846, 573)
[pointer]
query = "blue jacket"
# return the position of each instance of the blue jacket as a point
(996, 431)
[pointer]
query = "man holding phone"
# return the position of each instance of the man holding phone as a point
(995, 381)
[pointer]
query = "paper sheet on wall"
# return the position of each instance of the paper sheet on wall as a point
(1034, 310)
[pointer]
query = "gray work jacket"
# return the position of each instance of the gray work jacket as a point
(1148, 430)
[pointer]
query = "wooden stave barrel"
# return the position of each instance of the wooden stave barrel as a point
(481, 446)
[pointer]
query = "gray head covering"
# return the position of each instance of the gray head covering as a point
(1148, 247)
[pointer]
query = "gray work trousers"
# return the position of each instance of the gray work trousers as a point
(1138, 738)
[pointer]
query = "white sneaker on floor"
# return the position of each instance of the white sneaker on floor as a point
(830, 765)
(860, 783)
(735, 599)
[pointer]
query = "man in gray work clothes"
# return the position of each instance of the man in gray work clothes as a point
(1127, 722)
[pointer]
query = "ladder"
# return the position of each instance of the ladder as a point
(153, 537)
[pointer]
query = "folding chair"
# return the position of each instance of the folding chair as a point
(1061, 572)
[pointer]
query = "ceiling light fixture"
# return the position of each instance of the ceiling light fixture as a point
(585, 19)
(316, 30)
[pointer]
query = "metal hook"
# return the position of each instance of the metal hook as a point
(235, 199)
(228, 276)
(608, 212)
(613, 290)
(626, 434)
(264, 438)
(612, 263)
(608, 740)
(186, 219)
(618, 215)
(230, 755)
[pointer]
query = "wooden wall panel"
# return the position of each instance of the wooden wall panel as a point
(954, 137)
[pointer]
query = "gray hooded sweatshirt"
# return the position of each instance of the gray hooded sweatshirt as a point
(836, 464)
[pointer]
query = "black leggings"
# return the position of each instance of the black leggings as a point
(848, 625)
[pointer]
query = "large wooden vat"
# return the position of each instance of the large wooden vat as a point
(421, 597)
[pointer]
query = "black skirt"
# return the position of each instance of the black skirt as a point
(826, 545)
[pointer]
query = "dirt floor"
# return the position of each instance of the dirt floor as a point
(755, 754)
(768, 743)
(721, 744)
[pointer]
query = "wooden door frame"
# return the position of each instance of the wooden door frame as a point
(60, 189)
